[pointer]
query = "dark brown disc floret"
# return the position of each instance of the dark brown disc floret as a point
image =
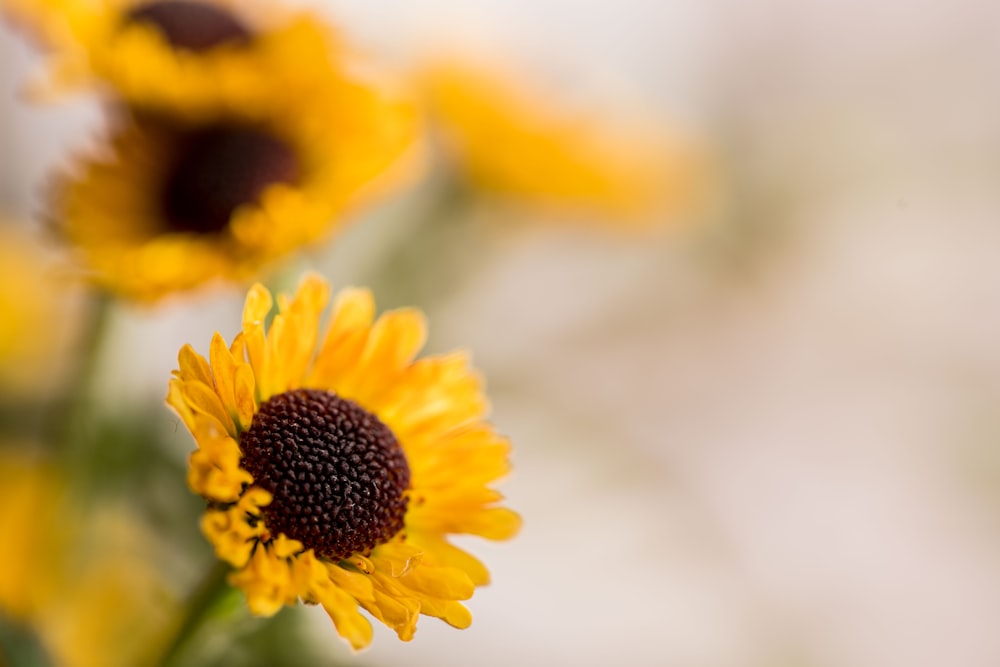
(189, 25)
(338, 476)
(219, 168)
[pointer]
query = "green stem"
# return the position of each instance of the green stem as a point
(20, 645)
(414, 269)
(212, 588)
(72, 415)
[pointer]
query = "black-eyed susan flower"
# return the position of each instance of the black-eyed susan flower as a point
(195, 58)
(511, 143)
(171, 205)
(242, 134)
(335, 466)
(82, 585)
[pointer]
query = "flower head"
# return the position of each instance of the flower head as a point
(509, 142)
(175, 204)
(82, 585)
(239, 134)
(335, 466)
(194, 58)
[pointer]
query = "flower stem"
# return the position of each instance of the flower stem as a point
(211, 588)
(421, 264)
(72, 414)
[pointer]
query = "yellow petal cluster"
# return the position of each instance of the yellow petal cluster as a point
(35, 315)
(435, 408)
(92, 43)
(109, 208)
(85, 590)
(518, 145)
(292, 80)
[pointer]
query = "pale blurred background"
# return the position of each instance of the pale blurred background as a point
(769, 438)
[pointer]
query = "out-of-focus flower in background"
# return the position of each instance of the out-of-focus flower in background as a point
(170, 206)
(230, 147)
(336, 467)
(77, 585)
(36, 315)
(196, 58)
(508, 157)
(517, 144)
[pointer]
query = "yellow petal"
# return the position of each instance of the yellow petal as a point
(255, 346)
(193, 366)
(451, 612)
(312, 294)
(395, 610)
(434, 462)
(297, 342)
(356, 584)
(495, 523)
(345, 339)
(446, 583)
(435, 395)
(362, 563)
(343, 611)
(243, 389)
(271, 378)
(177, 400)
(396, 558)
(492, 523)
(438, 551)
(204, 400)
(257, 306)
(393, 342)
(224, 372)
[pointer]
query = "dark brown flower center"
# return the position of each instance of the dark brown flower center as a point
(218, 169)
(189, 25)
(337, 473)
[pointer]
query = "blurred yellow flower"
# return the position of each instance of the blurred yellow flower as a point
(335, 467)
(243, 133)
(193, 58)
(33, 313)
(511, 143)
(172, 207)
(84, 590)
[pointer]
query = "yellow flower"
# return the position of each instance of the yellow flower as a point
(173, 205)
(511, 143)
(196, 58)
(34, 315)
(241, 136)
(335, 466)
(86, 594)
